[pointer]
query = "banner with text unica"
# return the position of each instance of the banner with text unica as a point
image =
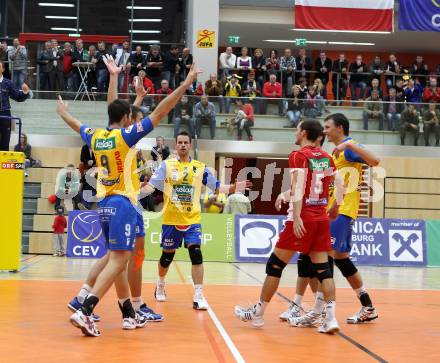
(217, 238)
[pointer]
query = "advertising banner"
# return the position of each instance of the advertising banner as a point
(433, 236)
(419, 15)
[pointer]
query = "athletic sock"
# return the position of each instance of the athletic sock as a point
(137, 302)
(330, 310)
(161, 279)
(298, 300)
(89, 304)
(85, 290)
(319, 303)
(364, 297)
(260, 307)
(126, 308)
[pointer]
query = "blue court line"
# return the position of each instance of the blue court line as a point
(31, 264)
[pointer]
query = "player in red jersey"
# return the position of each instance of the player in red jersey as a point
(307, 229)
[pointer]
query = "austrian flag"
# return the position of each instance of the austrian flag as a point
(345, 15)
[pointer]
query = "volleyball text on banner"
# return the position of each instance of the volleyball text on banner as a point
(419, 15)
(345, 15)
(11, 210)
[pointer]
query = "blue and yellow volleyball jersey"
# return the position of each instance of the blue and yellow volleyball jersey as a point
(181, 183)
(346, 160)
(115, 158)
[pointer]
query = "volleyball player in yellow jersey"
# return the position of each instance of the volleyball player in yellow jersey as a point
(119, 186)
(348, 155)
(181, 180)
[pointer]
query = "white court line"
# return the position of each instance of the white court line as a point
(235, 352)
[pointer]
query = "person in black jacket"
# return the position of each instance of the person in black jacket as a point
(170, 62)
(392, 108)
(137, 61)
(303, 65)
(101, 68)
(323, 67)
(154, 65)
(8, 90)
(160, 151)
(45, 60)
(339, 78)
(184, 113)
(358, 79)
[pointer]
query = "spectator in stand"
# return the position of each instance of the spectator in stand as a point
(45, 60)
(196, 89)
(205, 112)
(432, 93)
(259, 64)
(214, 90)
(431, 123)
(214, 203)
(419, 70)
(323, 66)
(92, 78)
(101, 69)
(373, 109)
(339, 79)
(320, 89)
(79, 55)
(8, 90)
(392, 109)
(273, 63)
(251, 90)
(409, 122)
(228, 60)
(185, 63)
(66, 59)
(163, 92)
(295, 107)
(184, 114)
(400, 88)
(232, 90)
(237, 203)
(137, 61)
(288, 68)
(4, 58)
(413, 92)
(377, 69)
(358, 79)
(170, 63)
(245, 119)
(392, 70)
(148, 101)
(303, 65)
(67, 186)
(154, 65)
(58, 226)
(122, 59)
(26, 149)
(374, 86)
(18, 58)
(272, 89)
(58, 74)
(303, 89)
(87, 158)
(160, 151)
(312, 104)
(244, 63)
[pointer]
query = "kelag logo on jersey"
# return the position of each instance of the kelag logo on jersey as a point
(319, 164)
(84, 235)
(105, 144)
(389, 242)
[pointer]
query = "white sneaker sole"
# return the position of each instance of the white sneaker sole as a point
(160, 298)
(77, 323)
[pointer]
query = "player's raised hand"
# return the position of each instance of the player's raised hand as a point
(193, 73)
(139, 87)
(241, 186)
(112, 67)
(25, 88)
(62, 106)
(341, 147)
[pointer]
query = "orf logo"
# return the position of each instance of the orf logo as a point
(405, 245)
(91, 228)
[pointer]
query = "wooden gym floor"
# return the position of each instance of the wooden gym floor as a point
(35, 327)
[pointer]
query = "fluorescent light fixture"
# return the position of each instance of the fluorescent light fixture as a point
(60, 5)
(66, 29)
(60, 17)
(147, 41)
(74, 35)
(146, 20)
(145, 7)
(340, 31)
(350, 43)
(317, 42)
(145, 31)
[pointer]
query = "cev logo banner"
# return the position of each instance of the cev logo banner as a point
(205, 39)
(419, 15)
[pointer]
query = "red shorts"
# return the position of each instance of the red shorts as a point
(317, 237)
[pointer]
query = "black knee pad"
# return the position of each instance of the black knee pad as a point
(166, 258)
(346, 267)
(275, 266)
(304, 265)
(322, 271)
(195, 254)
(331, 262)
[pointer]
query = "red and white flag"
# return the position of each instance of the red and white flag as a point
(349, 15)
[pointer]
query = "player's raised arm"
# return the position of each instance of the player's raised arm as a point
(357, 153)
(63, 111)
(140, 92)
(168, 103)
(114, 71)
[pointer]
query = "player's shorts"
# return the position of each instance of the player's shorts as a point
(341, 230)
(316, 238)
(172, 236)
(140, 231)
(117, 216)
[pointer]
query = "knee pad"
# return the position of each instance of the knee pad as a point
(166, 259)
(275, 266)
(346, 267)
(195, 254)
(322, 271)
(304, 265)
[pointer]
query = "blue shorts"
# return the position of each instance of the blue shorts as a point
(140, 232)
(172, 236)
(117, 216)
(341, 229)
